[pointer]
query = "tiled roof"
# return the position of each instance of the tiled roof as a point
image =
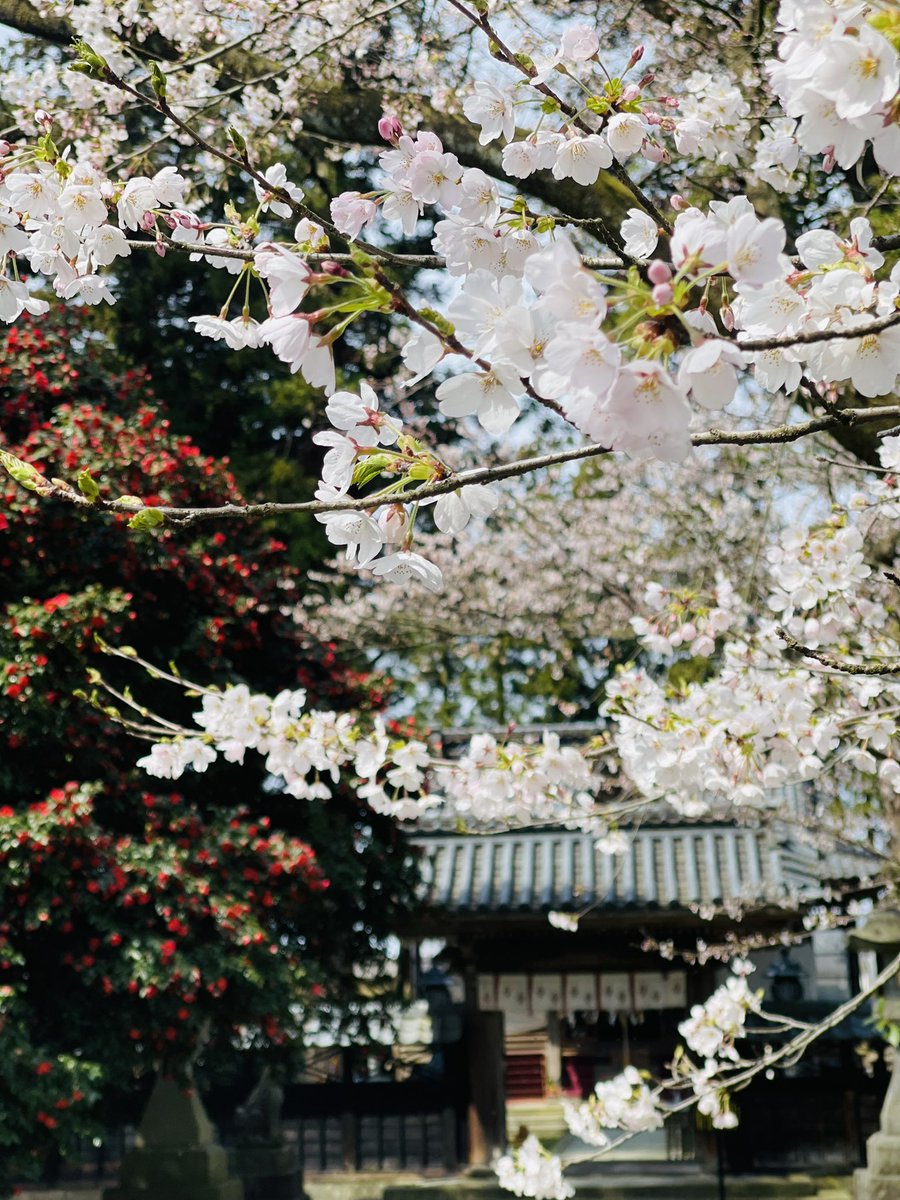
(667, 867)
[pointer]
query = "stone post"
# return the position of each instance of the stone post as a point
(880, 1180)
(267, 1163)
(177, 1156)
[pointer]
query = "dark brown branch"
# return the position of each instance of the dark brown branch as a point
(820, 335)
(836, 664)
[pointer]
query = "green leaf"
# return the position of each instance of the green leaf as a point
(128, 503)
(147, 519)
(369, 467)
(158, 82)
(24, 473)
(237, 140)
(87, 486)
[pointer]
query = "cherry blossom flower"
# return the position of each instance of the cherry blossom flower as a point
(352, 212)
(453, 512)
(340, 458)
(406, 567)
(640, 233)
(286, 274)
(492, 109)
(238, 333)
(276, 177)
(359, 417)
(582, 158)
(625, 134)
(360, 533)
(709, 372)
(289, 337)
(568, 922)
(579, 43)
(487, 395)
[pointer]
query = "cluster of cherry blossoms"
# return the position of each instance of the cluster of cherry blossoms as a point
(761, 721)
(493, 784)
(627, 1104)
(531, 1171)
(57, 215)
(363, 444)
(713, 1027)
(631, 360)
(838, 73)
(311, 751)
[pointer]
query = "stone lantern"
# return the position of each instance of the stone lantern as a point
(880, 1180)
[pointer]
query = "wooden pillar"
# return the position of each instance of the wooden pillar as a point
(553, 1051)
(487, 1089)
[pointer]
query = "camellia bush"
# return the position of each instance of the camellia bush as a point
(144, 927)
(643, 246)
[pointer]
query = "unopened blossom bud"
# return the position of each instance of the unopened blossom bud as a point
(630, 93)
(390, 129)
(653, 152)
(148, 220)
(5, 147)
(42, 118)
(663, 293)
(636, 55)
(726, 314)
(170, 221)
(646, 80)
(679, 203)
(334, 269)
(828, 161)
(671, 101)
(652, 118)
(659, 272)
(160, 249)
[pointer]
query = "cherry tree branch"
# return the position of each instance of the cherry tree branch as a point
(809, 336)
(836, 664)
(617, 170)
(184, 515)
(785, 1054)
(400, 259)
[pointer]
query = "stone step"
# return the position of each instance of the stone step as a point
(681, 1185)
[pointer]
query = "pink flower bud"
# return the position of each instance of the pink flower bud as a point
(390, 129)
(652, 118)
(636, 55)
(727, 315)
(829, 160)
(334, 269)
(170, 221)
(42, 118)
(630, 93)
(671, 102)
(160, 249)
(679, 203)
(148, 220)
(5, 148)
(663, 293)
(646, 80)
(659, 272)
(653, 152)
